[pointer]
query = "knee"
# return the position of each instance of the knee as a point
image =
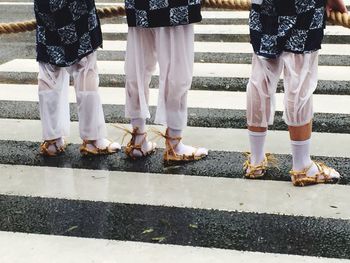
(298, 111)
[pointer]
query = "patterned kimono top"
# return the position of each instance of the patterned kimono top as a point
(160, 13)
(67, 30)
(286, 25)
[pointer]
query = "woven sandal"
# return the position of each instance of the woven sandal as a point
(44, 148)
(85, 150)
(258, 171)
(171, 156)
(132, 146)
(300, 178)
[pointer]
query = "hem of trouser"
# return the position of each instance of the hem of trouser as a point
(137, 116)
(164, 123)
(49, 138)
(258, 125)
(99, 135)
(299, 124)
(93, 138)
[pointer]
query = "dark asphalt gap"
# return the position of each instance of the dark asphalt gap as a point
(327, 87)
(217, 118)
(268, 233)
(214, 37)
(217, 164)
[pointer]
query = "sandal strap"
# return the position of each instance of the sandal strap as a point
(44, 147)
(321, 167)
(269, 160)
(132, 146)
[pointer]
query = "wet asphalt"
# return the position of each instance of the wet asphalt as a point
(169, 225)
(217, 164)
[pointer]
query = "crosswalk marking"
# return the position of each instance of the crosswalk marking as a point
(340, 73)
(196, 98)
(34, 248)
(223, 194)
(229, 47)
(221, 29)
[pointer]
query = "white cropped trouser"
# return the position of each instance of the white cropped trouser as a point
(173, 49)
(53, 84)
(300, 81)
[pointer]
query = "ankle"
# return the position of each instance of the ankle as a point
(139, 125)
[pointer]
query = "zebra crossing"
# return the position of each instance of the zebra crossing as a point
(110, 209)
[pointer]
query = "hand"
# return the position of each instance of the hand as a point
(336, 5)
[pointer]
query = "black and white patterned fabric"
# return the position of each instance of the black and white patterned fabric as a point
(160, 13)
(67, 30)
(287, 25)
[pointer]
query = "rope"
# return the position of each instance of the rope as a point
(336, 18)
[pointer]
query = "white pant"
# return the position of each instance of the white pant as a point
(300, 81)
(173, 48)
(53, 84)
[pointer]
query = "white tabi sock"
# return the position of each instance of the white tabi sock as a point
(257, 146)
(182, 148)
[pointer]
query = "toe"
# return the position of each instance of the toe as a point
(201, 152)
(114, 146)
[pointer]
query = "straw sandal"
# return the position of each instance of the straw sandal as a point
(300, 178)
(171, 156)
(85, 150)
(258, 171)
(132, 146)
(44, 148)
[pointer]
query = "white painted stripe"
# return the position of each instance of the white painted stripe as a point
(216, 139)
(196, 98)
(231, 47)
(34, 248)
(224, 194)
(200, 69)
(221, 29)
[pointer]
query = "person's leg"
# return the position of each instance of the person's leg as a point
(300, 81)
(261, 91)
(175, 49)
(92, 125)
(53, 83)
(140, 64)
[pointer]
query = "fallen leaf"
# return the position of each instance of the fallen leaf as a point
(193, 226)
(147, 231)
(159, 239)
(72, 228)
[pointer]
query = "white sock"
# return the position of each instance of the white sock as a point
(59, 142)
(301, 154)
(182, 148)
(104, 143)
(257, 146)
(302, 159)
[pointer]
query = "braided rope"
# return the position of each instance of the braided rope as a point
(337, 18)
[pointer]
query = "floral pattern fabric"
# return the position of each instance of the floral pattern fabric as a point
(67, 30)
(287, 25)
(160, 13)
